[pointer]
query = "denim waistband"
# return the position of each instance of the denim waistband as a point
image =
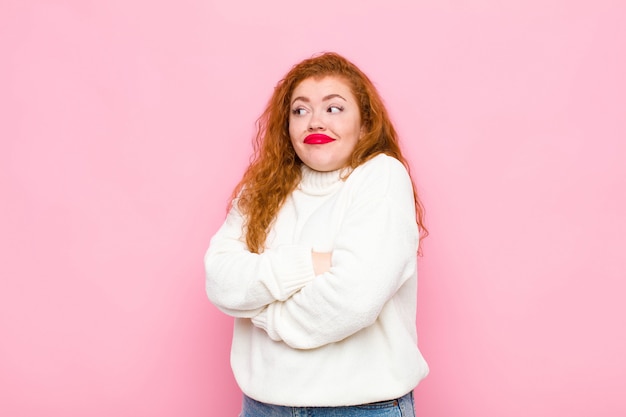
(399, 407)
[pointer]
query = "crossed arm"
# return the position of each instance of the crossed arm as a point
(308, 299)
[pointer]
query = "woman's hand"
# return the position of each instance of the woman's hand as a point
(321, 262)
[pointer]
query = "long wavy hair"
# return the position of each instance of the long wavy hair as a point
(274, 171)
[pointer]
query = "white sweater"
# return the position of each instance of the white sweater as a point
(344, 337)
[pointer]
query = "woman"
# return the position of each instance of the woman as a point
(317, 257)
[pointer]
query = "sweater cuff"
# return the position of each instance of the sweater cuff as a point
(293, 269)
(262, 321)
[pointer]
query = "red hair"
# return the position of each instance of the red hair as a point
(274, 171)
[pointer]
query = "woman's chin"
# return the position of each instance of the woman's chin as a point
(324, 166)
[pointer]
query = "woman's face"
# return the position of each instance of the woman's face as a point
(324, 122)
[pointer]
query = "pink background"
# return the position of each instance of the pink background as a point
(125, 124)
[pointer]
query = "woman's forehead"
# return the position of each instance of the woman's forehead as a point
(320, 87)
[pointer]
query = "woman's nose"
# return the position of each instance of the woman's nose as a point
(315, 123)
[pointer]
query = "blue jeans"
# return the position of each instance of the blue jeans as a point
(401, 407)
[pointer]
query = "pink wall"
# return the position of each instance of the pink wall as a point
(125, 124)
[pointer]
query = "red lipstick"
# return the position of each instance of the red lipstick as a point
(317, 139)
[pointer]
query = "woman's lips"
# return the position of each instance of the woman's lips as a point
(317, 139)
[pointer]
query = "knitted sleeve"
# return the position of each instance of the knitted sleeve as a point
(241, 283)
(374, 255)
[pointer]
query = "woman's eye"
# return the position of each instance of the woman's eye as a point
(335, 109)
(299, 111)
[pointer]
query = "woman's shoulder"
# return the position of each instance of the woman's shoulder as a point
(380, 175)
(382, 165)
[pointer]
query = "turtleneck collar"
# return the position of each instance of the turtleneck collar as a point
(320, 183)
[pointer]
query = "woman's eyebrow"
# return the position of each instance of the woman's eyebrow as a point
(325, 98)
(331, 96)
